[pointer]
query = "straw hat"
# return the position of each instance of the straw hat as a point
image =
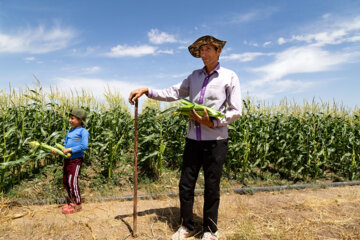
(194, 48)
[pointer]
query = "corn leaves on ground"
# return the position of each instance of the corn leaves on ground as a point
(188, 106)
(36, 144)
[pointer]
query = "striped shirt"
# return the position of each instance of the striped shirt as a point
(219, 90)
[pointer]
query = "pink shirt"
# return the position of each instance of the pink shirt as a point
(219, 90)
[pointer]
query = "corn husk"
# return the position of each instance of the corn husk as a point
(187, 107)
(36, 144)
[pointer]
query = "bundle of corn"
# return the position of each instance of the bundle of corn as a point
(36, 144)
(188, 106)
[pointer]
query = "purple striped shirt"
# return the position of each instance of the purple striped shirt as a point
(219, 90)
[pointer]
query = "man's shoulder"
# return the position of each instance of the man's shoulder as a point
(225, 73)
(198, 71)
(226, 70)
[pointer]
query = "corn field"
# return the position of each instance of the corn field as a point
(294, 142)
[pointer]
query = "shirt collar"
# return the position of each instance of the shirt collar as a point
(216, 69)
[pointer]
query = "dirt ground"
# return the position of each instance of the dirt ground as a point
(331, 213)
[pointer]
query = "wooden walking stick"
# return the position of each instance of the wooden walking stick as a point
(135, 169)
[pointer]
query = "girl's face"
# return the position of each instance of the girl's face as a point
(74, 121)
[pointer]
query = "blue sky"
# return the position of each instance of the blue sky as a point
(279, 49)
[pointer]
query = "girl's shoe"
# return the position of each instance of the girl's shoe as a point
(71, 208)
(66, 206)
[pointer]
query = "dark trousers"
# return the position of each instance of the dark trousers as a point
(211, 156)
(70, 179)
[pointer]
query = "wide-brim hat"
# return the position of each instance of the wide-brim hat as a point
(79, 113)
(194, 48)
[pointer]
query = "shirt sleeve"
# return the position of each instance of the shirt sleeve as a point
(84, 142)
(234, 102)
(172, 93)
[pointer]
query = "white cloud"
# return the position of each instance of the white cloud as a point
(179, 76)
(271, 90)
(293, 86)
(96, 86)
(30, 59)
(90, 70)
(244, 57)
(326, 15)
(131, 51)
(314, 56)
(300, 60)
(254, 44)
(246, 17)
(157, 37)
(267, 43)
(281, 41)
(166, 51)
(273, 77)
(354, 39)
(322, 38)
(252, 15)
(352, 25)
(83, 52)
(36, 40)
(345, 31)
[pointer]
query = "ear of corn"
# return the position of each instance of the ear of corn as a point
(188, 106)
(36, 144)
(61, 147)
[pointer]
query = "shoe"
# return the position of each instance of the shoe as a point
(66, 206)
(71, 208)
(72, 205)
(182, 233)
(210, 236)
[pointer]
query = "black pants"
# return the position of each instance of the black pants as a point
(211, 156)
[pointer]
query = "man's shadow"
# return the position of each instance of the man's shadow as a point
(169, 215)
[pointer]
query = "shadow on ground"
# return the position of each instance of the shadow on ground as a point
(169, 215)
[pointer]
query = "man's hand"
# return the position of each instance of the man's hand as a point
(202, 120)
(135, 94)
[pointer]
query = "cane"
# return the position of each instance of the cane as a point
(135, 169)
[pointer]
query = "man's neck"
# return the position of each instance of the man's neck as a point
(211, 67)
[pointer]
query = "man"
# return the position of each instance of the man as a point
(206, 140)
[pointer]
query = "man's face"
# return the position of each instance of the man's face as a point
(209, 54)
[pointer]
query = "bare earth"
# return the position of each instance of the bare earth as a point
(331, 213)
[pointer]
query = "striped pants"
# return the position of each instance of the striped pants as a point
(70, 179)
